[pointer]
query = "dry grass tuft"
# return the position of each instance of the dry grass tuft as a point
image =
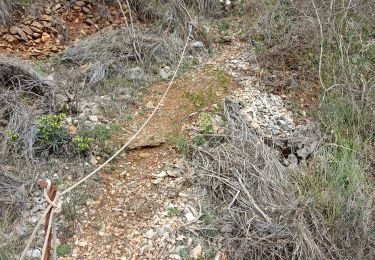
(24, 94)
(113, 53)
(7, 8)
(264, 211)
(12, 193)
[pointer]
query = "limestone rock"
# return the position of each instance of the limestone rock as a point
(13, 29)
(27, 30)
(166, 72)
(196, 253)
(10, 38)
(45, 37)
(22, 34)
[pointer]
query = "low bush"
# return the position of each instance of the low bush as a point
(51, 135)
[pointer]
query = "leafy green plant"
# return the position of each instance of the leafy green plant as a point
(223, 80)
(50, 133)
(63, 250)
(199, 140)
(12, 136)
(205, 123)
(83, 143)
(223, 25)
(101, 133)
(49, 126)
(202, 98)
(173, 211)
(184, 254)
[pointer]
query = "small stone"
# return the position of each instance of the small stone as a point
(86, 10)
(196, 252)
(255, 125)
(27, 30)
(173, 173)
(217, 123)
(46, 18)
(10, 38)
(93, 119)
(37, 25)
(303, 153)
(80, 3)
(57, 7)
(150, 234)
(22, 34)
(189, 217)
(34, 253)
(13, 29)
(162, 174)
(82, 243)
(36, 30)
(89, 21)
(292, 159)
(157, 181)
(161, 231)
(45, 37)
(93, 160)
(166, 72)
(150, 105)
(198, 45)
(47, 11)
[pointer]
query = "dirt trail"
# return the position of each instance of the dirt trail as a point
(129, 217)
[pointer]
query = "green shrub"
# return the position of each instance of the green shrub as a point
(50, 133)
(101, 133)
(199, 140)
(223, 25)
(83, 143)
(12, 136)
(49, 126)
(63, 250)
(205, 123)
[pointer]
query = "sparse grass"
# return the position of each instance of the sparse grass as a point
(205, 123)
(202, 98)
(63, 250)
(102, 133)
(180, 141)
(223, 25)
(217, 86)
(184, 254)
(173, 212)
(223, 80)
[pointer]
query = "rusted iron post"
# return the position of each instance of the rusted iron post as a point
(43, 184)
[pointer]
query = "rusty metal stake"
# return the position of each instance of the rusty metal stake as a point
(51, 195)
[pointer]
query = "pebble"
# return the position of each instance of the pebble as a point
(166, 72)
(150, 233)
(189, 216)
(198, 45)
(82, 243)
(196, 252)
(93, 119)
(34, 253)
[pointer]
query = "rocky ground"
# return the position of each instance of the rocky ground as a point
(144, 206)
(52, 27)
